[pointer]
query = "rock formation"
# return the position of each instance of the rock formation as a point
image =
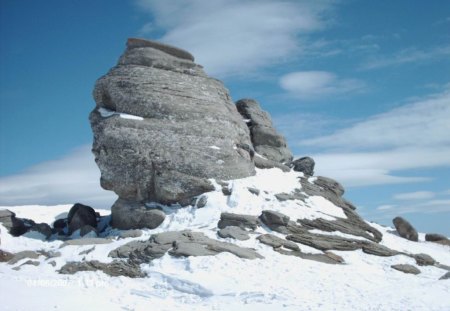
(162, 127)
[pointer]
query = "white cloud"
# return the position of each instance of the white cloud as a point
(407, 56)
(385, 207)
(73, 178)
(417, 195)
(318, 84)
(372, 152)
(236, 36)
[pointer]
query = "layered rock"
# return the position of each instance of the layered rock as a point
(267, 142)
(162, 127)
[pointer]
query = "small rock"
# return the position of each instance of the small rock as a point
(233, 232)
(201, 202)
(253, 190)
(22, 255)
(445, 276)
(28, 262)
(132, 215)
(114, 268)
(405, 229)
(271, 218)
(242, 221)
(304, 165)
(226, 190)
(90, 250)
(334, 256)
(52, 263)
(134, 233)
(5, 256)
(424, 260)
(433, 237)
(81, 215)
(405, 268)
(276, 242)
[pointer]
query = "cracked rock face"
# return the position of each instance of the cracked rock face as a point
(162, 127)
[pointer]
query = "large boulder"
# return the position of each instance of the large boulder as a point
(304, 165)
(81, 215)
(405, 229)
(266, 140)
(132, 215)
(163, 128)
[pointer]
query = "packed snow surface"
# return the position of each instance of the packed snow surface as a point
(226, 282)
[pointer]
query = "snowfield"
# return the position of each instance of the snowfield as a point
(226, 282)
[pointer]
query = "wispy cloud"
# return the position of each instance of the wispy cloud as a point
(231, 37)
(416, 195)
(406, 56)
(71, 179)
(376, 150)
(318, 84)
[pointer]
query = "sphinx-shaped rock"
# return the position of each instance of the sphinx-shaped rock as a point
(267, 142)
(163, 128)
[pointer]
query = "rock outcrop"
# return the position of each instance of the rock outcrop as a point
(162, 127)
(267, 142)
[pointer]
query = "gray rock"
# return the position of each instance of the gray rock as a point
(405, 268)
(325, 242)
(322, 258)
(266, 140)
(5, 256)
(424, 260)
(265, 164)
(134, 233)
(238, 220)
(446, 276)
(270, 218)
(178, 243)
(166, 156)
(131, 215)
(290, 196)
(87, 251)
(405, 229)
(29, 263)
(201, 201)
(234, 233)
(86, 241)
(114, 268)
(81, 215)
(330, 184)
(378, 250)
(276, 242)
(253, 190)
(43, 229)
(304, 165)
(434, 237)
(22, 255)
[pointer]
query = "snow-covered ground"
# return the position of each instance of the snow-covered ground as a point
(226, 282)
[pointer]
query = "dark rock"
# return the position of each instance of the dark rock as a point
(242, 221)
(201, 201)
(406, 268)
(266, 140)
(234, 233)
(405, 229)
(114, 268)
(15, 226)
(130, 215)
(88, 230)
(60, 223)
(253, 190)
(163, 152)
(81, 215)
(90, 250)
(5, 256)
(424, 260)
(43, 229)
(226, 190)
(304, 165)
(271, 218)
(433, 237)
(445, 276)
(276, 242)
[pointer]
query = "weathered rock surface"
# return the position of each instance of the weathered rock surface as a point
(234, 233)
(405, 229)
(405, 268)
(162, 127)
(81, 215)
(243, 221)
(178, 244)
(304, 165)
(126, 214)
(266, 140)
(114, 268)
(273, 218)
(276, 242)
(424, 260)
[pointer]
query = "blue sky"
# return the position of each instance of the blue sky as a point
(361, 86)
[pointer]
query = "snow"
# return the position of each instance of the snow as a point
(214, 147)
(106, 113)
(226, 282)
